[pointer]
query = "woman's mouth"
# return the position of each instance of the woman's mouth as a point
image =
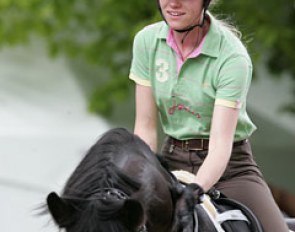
(175, 13)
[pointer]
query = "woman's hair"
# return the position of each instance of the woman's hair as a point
(226, 23)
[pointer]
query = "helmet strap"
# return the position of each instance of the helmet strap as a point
(190, 28)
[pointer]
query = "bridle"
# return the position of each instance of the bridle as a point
(108, 194)
(114, 194)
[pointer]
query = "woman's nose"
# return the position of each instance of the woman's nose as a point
(175, 3)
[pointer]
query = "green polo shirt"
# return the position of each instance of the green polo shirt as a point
(220, 74)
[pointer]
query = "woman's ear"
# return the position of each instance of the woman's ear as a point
(61, 211)
(131, 214)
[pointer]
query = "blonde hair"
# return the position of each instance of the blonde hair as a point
(226, 23)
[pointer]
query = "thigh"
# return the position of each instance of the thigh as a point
(253, 192)
(243, 181)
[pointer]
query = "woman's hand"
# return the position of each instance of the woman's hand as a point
(187, 198)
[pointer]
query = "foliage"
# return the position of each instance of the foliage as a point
(100, 32)
(271, 26)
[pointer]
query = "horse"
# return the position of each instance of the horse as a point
(121, 186)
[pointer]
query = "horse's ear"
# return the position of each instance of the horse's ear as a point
(131, 214)
(61, 211)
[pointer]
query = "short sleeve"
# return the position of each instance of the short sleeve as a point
(140, 71)
(233, 82)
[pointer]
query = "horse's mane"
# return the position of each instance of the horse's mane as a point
(96, 171)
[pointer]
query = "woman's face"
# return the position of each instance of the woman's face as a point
(181, 14)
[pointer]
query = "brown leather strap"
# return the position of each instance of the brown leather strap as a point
(197, 144)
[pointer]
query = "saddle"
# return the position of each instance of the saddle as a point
(222, 214)
(217, 213)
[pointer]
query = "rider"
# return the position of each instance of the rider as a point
(195, 72)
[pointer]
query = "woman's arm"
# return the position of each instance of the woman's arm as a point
(223, 127)
(146, 116)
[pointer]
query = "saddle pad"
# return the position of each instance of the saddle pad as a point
(216, 218)
(184, 176)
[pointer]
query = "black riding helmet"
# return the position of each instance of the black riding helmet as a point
(206, 4)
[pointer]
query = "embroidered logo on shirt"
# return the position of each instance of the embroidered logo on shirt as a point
(182, 107)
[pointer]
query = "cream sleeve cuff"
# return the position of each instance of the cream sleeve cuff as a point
(232, 104)
(139, 81)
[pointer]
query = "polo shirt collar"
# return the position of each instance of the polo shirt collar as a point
(212, 41)
(164, 31)
(211, 46)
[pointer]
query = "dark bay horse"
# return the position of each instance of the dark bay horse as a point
(119, 186)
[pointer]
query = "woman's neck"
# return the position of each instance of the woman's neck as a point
(187, 42)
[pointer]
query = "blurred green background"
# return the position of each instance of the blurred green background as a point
(95, 37)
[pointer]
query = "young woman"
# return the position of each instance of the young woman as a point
(194, 71)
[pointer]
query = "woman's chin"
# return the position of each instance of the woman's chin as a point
(176, 27)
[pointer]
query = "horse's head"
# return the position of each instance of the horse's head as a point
(119, 186)
(94, 215)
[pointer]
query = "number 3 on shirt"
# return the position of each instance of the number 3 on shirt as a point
(162, 70)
